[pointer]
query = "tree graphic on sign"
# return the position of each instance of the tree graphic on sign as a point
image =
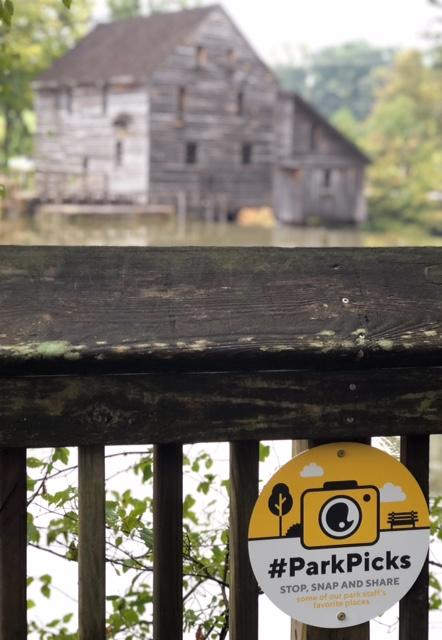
(280, 502)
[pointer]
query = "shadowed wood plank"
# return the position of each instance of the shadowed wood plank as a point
(141, 309)
(244, 470)
(80, 410)
(360, 631)
(413, 608)
(91, 546)
(13, 624)
(168, 542)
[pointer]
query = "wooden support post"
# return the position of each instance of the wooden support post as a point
(91, 546)
(244, 470)
(181, 212)
(413, 608)
(13, 625)
(168, 542)
(358, 632)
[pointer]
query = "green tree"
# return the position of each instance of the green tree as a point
(335, 78)
(40, 33)
(124, 8)
(127, 8)
(402, 135)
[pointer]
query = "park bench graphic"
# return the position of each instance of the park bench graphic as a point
(402, 518)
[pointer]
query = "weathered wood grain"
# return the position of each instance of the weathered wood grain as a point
(91, 544)
(244, 477)
(134, 309)
(413, 608)
(13, 544)
(168, 542)
(131, 409)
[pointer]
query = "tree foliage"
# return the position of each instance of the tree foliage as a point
(127, 8)
(53, 529)
(40, 33)
(403, 135)
(335, 78)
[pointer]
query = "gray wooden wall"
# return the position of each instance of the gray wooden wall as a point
(210, 118)
(317, 176)
(77, 140)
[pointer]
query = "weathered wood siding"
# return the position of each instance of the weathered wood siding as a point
(319, 177)
(77, 142)
(210, 119)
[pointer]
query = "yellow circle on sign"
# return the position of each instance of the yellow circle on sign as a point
(339, 534)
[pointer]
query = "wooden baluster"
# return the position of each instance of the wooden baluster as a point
(358, 632)
(413, 608)
(168, 542)
(91, 546)
(244, 470)
(13, 624)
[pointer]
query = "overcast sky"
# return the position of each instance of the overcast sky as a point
(276, 27)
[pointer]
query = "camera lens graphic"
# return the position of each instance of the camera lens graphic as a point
(340, 517)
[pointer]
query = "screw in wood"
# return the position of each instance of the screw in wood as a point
(341, 453)
(341, 616)
(352, 387)
(345, 300)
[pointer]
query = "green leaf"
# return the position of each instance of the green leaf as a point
(34, 463)
(62, 454)
(33, 532)
(264, 452)
(67, 3)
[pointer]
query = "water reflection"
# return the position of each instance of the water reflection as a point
(146, 231)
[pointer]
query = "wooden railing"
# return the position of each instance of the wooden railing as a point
(105, 346)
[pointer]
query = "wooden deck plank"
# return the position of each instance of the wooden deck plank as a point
(413, 608)
(13, 542)
(244, 470)
(80, 410)
(143, 309)
(91, 547)
(168, 542)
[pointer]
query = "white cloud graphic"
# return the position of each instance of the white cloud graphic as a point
(312, 470)
(392, 493)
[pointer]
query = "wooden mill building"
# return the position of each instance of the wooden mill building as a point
(178, 105)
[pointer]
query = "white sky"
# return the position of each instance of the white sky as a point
(276, 27)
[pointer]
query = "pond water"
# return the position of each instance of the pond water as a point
(148, 231)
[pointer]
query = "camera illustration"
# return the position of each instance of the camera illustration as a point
(340, 514)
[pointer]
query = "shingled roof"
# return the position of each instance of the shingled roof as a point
(130, 47)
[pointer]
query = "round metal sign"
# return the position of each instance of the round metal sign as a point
(339, 535)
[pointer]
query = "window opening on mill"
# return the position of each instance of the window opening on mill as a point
(201, 56)
(246, 153)
(240, 103)
(231, 59)
(182, 100)
(118, 153)
(326, 178)
(104, 99)
(69, 100)
(191, 153)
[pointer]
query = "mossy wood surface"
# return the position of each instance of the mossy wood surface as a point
(136, 409)
(71, 309)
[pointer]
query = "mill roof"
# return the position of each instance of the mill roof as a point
(129, 47)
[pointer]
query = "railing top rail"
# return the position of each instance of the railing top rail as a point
(96, 309)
